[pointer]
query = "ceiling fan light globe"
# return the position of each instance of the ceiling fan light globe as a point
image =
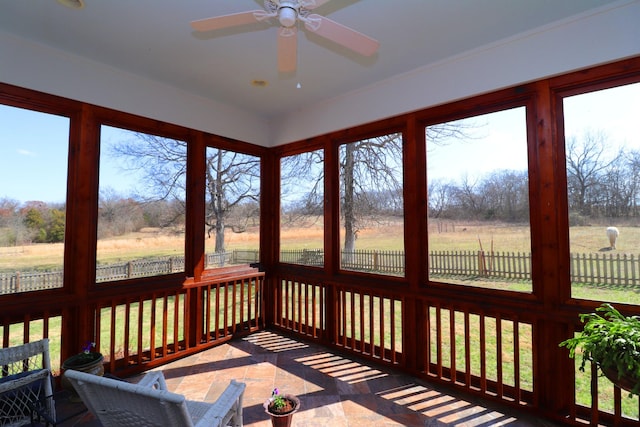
(287, 16)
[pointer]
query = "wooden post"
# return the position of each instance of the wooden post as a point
(553, 369)
(269, 231)
(78, 321)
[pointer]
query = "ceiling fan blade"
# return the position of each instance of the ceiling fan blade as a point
(344, 36)
(226, 21)
(312, 4)
(287, 49)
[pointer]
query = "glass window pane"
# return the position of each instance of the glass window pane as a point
(302, 209)
(372, 205)
(233, 208)
(141, 208)
(478, 195)
(603, 183)
(33, 153)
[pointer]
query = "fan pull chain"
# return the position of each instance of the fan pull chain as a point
(298, 85)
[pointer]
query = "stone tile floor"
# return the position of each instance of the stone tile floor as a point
(334, 390)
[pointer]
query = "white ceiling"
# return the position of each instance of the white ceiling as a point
(153, 39)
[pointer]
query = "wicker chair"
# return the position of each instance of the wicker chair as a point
(148, 403)
(25, 383)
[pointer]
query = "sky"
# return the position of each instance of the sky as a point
(34, 146)
(498, 140)
(33, 157)
(495, 141)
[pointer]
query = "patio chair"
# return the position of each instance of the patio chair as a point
(25, 383)
(148, 403)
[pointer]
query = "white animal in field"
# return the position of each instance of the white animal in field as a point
(612, 234)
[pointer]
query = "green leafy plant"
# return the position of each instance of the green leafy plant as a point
(277, 400)
(612, 341)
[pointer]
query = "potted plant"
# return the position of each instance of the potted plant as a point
(281, 408)
(86, 361)
(612, 341)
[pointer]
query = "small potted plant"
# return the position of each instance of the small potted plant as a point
(86, 361)
(281, 408)
(612, 341)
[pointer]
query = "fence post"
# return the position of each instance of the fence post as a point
(482, 268)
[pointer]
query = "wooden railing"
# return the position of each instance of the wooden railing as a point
(460, 342)
(484, 352)
(300, 307)
(153, 327)
(139, 330)
(454, 337)
(369, 324)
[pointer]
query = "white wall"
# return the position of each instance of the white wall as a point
(598, 37)
(28, 64)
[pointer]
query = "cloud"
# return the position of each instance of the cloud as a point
(26, 152)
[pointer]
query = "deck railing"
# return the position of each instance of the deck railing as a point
(488, 349)
(138, 330)
(485, 349)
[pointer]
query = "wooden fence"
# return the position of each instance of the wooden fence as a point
(506, 265)
(139, 268)
(594, 268)
(35, 280)
(385, 262)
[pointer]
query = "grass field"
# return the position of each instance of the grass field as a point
(387, 236)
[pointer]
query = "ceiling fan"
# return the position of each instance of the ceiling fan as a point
(289, 13)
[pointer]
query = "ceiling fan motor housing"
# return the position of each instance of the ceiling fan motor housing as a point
(288, 13)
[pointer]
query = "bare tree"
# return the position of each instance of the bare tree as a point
(233, 179)
(633, 166)
(369, 165)
(440, 194)
(618, 190)
(469, 199)
(587, 160)
(302, 186)
(506, 195)
(371, 175)
(118, 214)
(161, 163)
(13, 230)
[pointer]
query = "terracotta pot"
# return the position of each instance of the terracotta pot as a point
(284, 419)
(91, 363)
(625, 382)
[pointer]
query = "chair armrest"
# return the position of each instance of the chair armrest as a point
(203, 414)
(227, 406)
(230, 396)
(154, 379)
